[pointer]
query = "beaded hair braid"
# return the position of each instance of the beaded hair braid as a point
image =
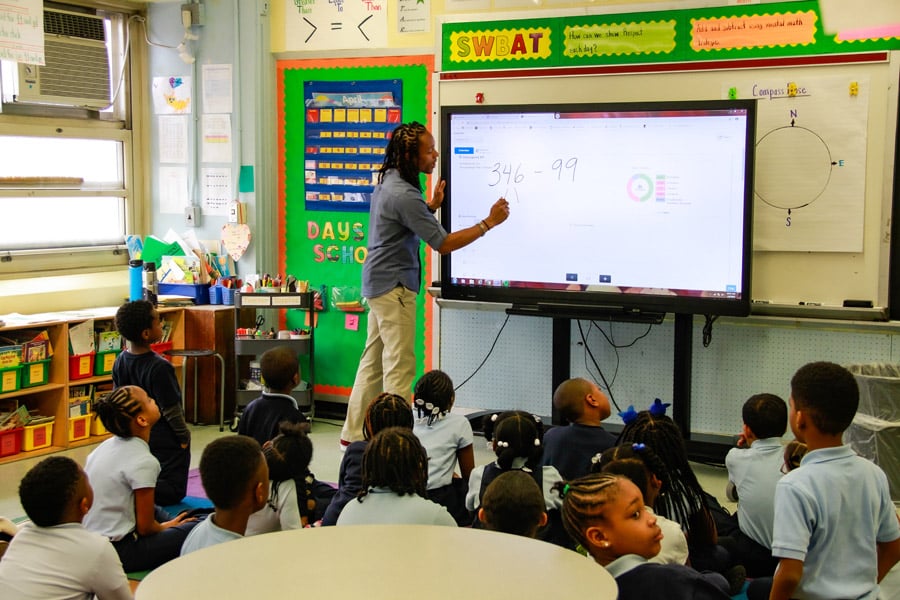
(116, 411)
(516, 435)
(401, 153)
(434, 395)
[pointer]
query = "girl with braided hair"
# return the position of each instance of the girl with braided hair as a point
(123, 473)
(395, 470)
(644, 468)
(447, 438)
(516, 438)
(391, 279)
(605, 514)
(683, 500)
(386, 410)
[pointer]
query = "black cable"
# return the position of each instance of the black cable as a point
(599, 370)
(478, 368)
(587, 367)
(707, 329)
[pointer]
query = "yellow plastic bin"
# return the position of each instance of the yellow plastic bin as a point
(97, 427)
(35, 373)
(79, 427)
(10, 378)
(36, 437)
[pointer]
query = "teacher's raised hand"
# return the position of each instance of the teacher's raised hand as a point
(499, 213)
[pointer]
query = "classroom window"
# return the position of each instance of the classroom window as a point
(66, 166)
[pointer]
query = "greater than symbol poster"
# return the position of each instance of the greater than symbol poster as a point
(335, 24)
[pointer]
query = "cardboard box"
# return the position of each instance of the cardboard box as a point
(79, 427)
(36, 437)
(81, 366)
(10, 378)
(35, 373)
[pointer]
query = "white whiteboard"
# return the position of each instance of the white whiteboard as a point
(839, 244)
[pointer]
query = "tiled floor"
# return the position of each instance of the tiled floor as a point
(326, 462)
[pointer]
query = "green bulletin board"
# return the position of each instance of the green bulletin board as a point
(328, 247)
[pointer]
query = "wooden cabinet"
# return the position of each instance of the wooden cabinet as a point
(209, 327)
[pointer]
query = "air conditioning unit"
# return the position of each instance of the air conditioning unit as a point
(76, 72)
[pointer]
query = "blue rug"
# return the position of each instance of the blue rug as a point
(188, 503)
(743, 594)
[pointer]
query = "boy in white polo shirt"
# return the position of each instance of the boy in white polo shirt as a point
(54, 556)
(754, 468)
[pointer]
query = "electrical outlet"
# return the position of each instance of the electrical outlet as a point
(193, 14)
(191, 216)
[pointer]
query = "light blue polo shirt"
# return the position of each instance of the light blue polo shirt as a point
(398, 220)
(829, 513)
(754, 472)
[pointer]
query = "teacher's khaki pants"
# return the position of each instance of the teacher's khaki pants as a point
(388, 362)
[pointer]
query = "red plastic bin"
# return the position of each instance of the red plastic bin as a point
(10, 442)
(81, 366)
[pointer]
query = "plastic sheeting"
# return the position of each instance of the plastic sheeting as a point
(875, 431)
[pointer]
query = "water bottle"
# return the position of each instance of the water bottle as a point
(151, 287)
(135, 279)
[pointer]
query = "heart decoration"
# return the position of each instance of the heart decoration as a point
(236, 238)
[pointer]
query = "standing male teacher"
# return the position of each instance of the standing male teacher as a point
(392, 272)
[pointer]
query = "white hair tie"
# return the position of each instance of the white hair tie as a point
(503, 444)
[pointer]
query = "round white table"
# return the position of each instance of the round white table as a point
(380, 561)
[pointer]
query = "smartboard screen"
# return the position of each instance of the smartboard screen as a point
(628, 207)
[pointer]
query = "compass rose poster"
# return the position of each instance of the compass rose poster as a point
(810, 182)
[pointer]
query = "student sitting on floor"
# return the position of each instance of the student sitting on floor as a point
(605, 514)
(754, 468)
(54, 556)
(123, 474)
(280, 371)
(395, 472)
(290, 499)
(513, 503)
(170, 438)
(570, 448)
(640, 464)
(386, 410)
(236, 479)
(447, 438)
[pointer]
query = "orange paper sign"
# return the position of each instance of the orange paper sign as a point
(757, 31)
